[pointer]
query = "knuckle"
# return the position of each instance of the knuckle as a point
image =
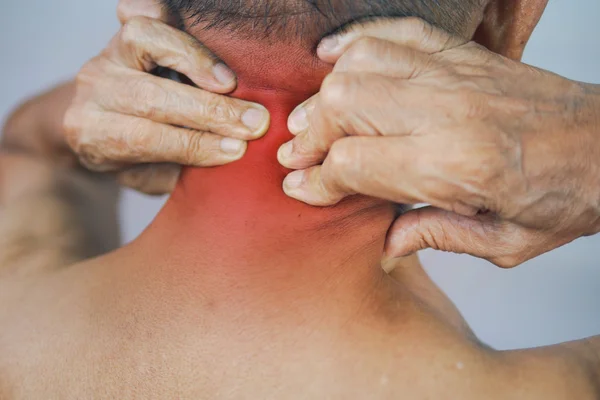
(220, 110)
(122, 8)
(435, 236)
(127, 9)
(131, 30)
(335, 91)
(123, 11)
(328, 185)
(343, 154)
(302, 144)
(424, 29)
(362, 51)
(417, 24)
(149, 98)
(417, 27)
(310, 147)
(196, 153)
(85, 138)
(89, 155)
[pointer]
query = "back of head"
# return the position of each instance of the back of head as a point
(309, 20)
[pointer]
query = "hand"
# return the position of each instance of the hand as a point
(127, 120)
(504, 153)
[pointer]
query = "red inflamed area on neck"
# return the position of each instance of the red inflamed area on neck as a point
(236, 217)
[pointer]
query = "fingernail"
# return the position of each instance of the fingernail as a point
(285, 151)
(329, 44)
(231, 146)
(298, 121)
(253, 118)
(293, 180)
(223, 74)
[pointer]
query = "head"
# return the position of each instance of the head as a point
(504, 26)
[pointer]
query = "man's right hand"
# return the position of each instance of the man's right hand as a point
(505, 154)
(143, 127)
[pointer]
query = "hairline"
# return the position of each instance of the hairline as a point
(306, 17)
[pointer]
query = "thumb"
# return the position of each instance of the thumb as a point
(127, 9)
(485, 236)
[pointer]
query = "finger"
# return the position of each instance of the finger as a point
(116, 139)
(348, 104)
(409, 32)
(161, 100)
(144, 43)
(361, 165)
(152, 179)
(128, 9)
(502, 243)
(298, 119)
(320, 129)
(404, 170)
(310, 187)
(378, 56)
(340, 97)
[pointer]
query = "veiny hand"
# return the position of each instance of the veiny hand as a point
(505, 154)
(125, 119)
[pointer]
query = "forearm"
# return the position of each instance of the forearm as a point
(52, 217)
(52, 212)
(36, 126)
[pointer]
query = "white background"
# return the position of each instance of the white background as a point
(553, 298)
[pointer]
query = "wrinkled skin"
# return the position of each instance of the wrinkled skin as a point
(504, 153)
(144, 127)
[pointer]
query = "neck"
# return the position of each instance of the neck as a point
(234, 225)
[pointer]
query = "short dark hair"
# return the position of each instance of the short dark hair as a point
(291, 19)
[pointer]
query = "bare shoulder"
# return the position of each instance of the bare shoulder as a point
(430, 352)
(436, 359)
(47, 317)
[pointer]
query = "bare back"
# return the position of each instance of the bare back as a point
(96, 330)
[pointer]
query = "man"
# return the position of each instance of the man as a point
(237, 291)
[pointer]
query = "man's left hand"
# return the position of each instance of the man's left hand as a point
(504, 153)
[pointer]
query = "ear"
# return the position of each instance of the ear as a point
(128, 9)
(507, 25)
